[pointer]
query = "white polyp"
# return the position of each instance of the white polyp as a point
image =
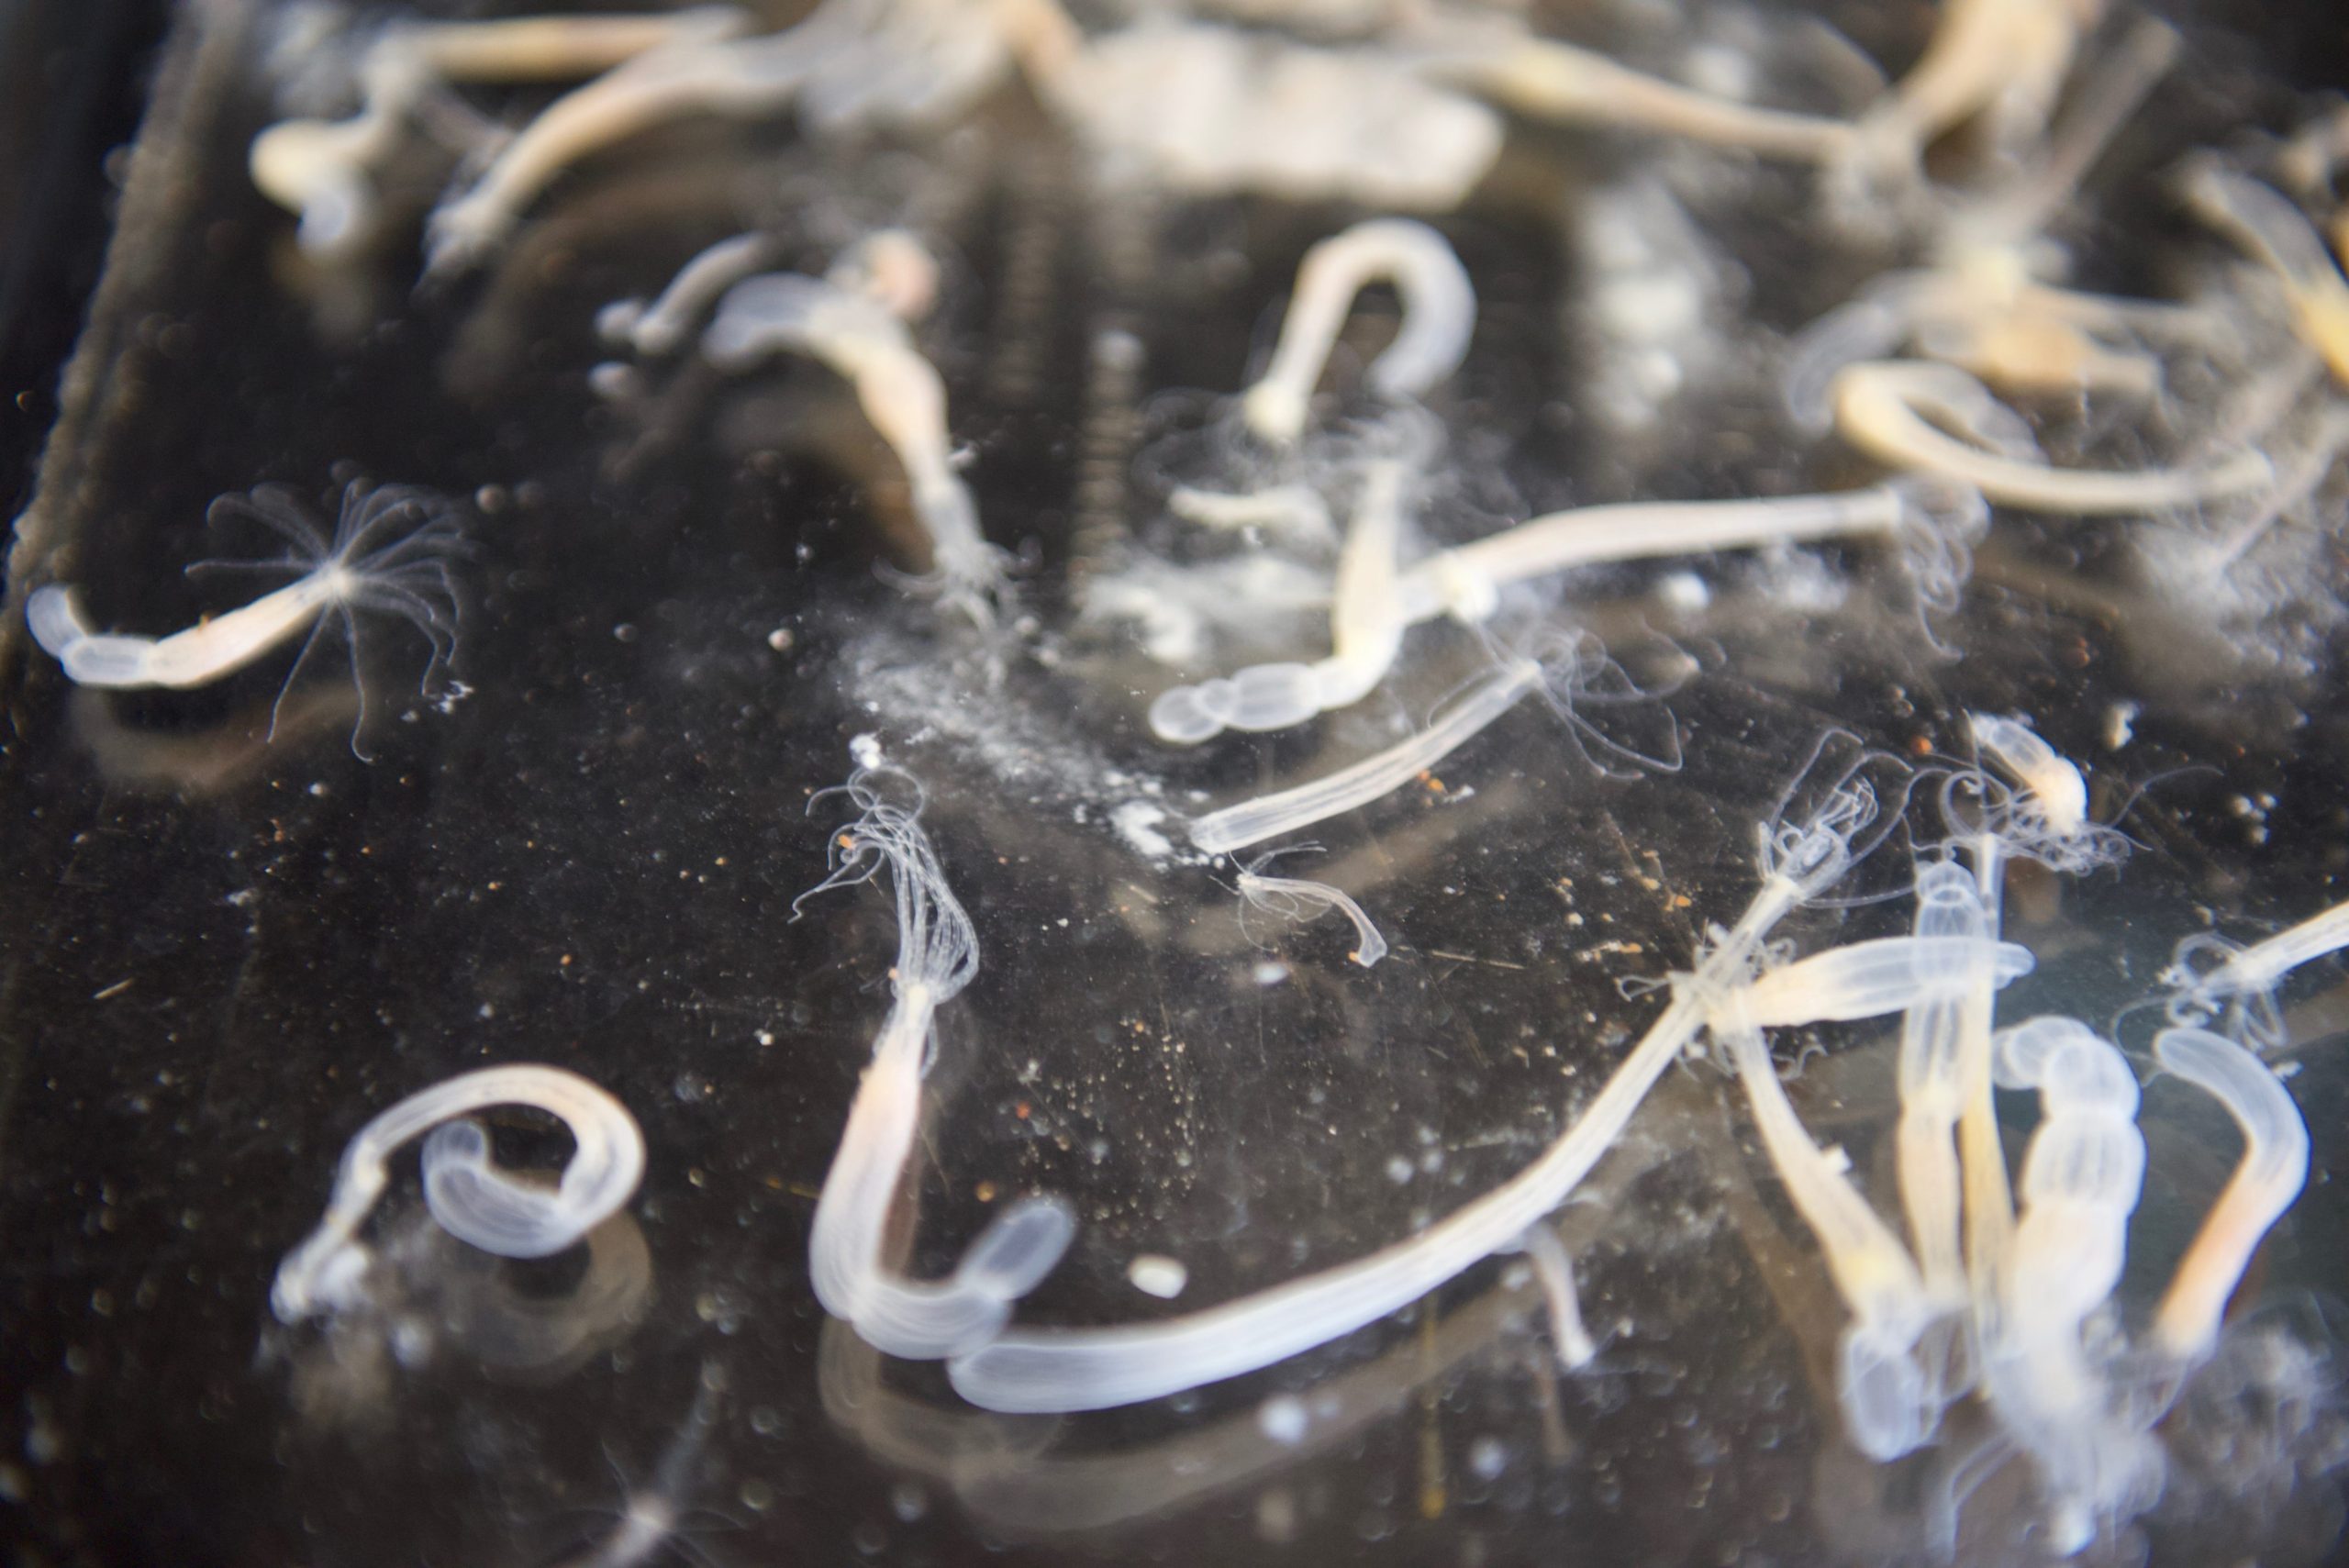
(1092, 1369)
(1302, 900)
(473, 1199)
(1869, 979)
(1556, 81)
(2005, 59)
(937, 956)
(1366, 605)
(1554, 1270)
(2262, 965)
(1882, 1386)
(2082, 1176)
(1252, 822)
(1438, 315)
(2271, 229)
(1930, 1076)
(2056, 788)
(2273, 1169)
(1366, 625)
(354, 570)
(1641, 531)
(703, 66)
(900, 393)
(660, 327)
(1894, 410)
(325, 170)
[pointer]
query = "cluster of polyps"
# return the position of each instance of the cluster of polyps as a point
(1986, 1295)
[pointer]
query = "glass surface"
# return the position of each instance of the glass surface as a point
(683, 614)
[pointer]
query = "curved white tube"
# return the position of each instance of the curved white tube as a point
(470, 1197)
(1438, 315)
(2274, 1168)
(1265, 816)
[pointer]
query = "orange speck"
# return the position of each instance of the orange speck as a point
(1022, 1110)
(985, 1190)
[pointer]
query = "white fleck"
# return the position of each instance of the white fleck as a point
(1282, 1418)
(865, 751)
(1159, 1276)
(1398, 1170)
(1135, 822)
(1487, 1457)
(1683, 591)
(2117, 721)
(1269, 973)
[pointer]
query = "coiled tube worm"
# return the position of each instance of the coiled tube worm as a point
(467, 1194)
(938, 955)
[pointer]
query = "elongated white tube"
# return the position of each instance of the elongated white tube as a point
(1881, 1383)
(1554, 81)
(1438, 315)
(918, 1319)
(938, 955)
(1554, 1269)
(1252, 822)
(2274, 1168)
(1643, 531)
(201, 654)
(2270, 227)
(1931, 1078)
(1870, 979)
(2264, 963)
(2081, 1178)
(473, 1201)
(658, 327)
(1093, 1369)
(899, 391)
